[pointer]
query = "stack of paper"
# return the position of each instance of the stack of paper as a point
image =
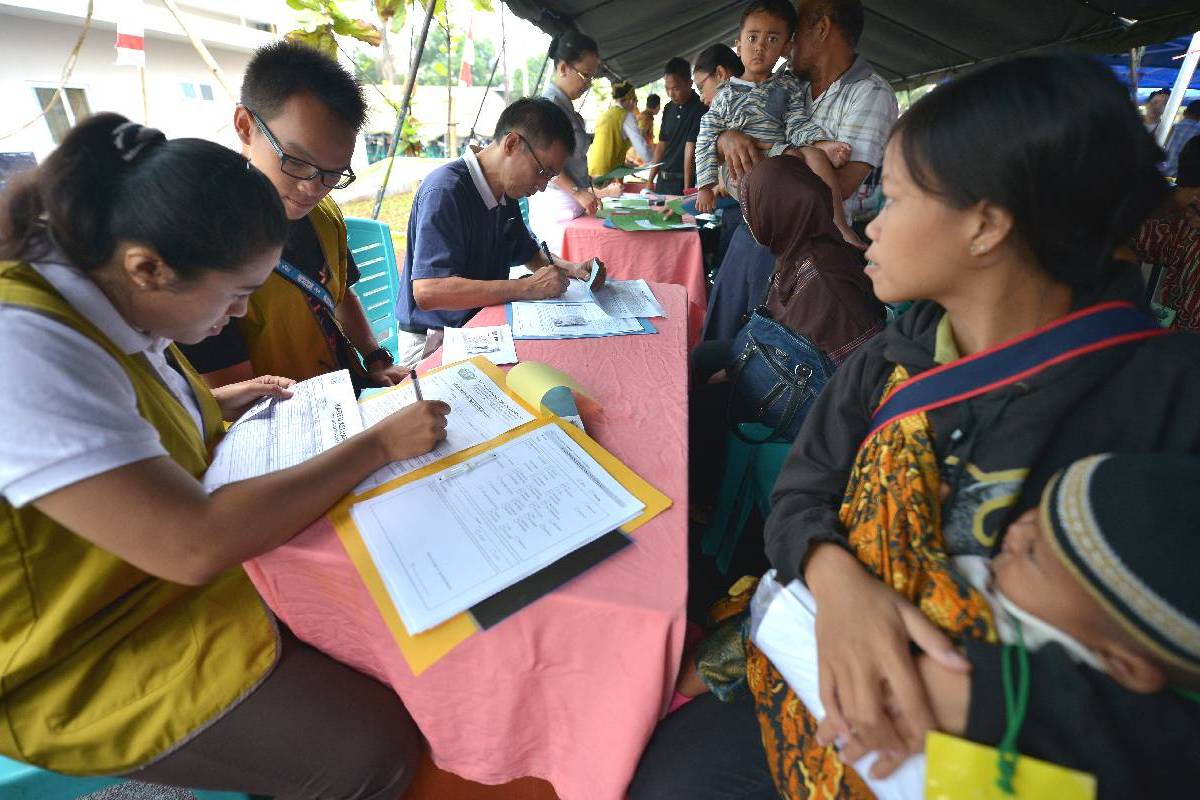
(447, 541)
(494, 343)
(322, 412)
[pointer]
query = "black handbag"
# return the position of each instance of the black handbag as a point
(776, 376)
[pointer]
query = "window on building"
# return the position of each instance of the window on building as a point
(60, 116)
(189, 90)
(261, 26)
(206, 91)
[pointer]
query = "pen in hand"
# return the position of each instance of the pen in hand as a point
(546, 250)
(412, 373)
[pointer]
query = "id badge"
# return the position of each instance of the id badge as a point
(956, 769)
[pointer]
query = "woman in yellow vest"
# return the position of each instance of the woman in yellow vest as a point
(616, 131)
(131, 640)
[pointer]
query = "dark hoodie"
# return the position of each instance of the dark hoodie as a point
(997, 452)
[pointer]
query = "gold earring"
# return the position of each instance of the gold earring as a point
(976, 249)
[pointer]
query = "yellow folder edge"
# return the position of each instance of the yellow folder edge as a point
(423, 650)
(957, 769)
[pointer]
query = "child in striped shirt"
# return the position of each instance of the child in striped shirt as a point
(771, 108)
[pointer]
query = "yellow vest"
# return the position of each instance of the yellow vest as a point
(103, 667)
(280, 331)
(610, 142)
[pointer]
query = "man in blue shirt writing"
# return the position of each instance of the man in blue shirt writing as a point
(466, 231)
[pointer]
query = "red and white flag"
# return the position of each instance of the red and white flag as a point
(131, 36)
(468, 58)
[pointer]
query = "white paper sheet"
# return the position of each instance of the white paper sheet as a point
(495, 343)
(566, 320)
(628, 299)
(479, 411)
(277, 434)
(448, 541)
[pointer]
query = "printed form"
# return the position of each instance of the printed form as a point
(448, 541)
(479, 411)
(277, 434)
(619, 299)
(566, 320)
(495, 343)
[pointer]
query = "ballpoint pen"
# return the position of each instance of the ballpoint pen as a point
(412, 373)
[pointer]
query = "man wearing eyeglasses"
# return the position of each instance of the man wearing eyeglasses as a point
(298, 120)
(466, 230)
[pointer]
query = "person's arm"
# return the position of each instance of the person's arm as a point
(574, 269)
(812, 483)
(242, 371)
(658, 151)
(582, 194)
(634, 134)
(740, 152)
(711, 124)
(689, 165)
(353, 319)
(156, 516)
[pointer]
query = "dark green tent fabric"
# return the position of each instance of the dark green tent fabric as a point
(909, 42)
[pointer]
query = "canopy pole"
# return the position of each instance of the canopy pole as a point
(404, 106)
(483, 99)
(1135, 64)
(1182, 81)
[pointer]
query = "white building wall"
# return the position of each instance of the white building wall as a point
(32, 53)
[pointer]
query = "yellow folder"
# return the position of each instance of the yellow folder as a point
(424, 649)
(956, 769)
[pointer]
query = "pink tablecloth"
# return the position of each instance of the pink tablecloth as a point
(657, 256)
(570, 688)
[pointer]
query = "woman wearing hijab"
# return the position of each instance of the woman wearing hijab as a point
(818, 289)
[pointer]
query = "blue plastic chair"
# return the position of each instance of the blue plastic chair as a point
(749, 477)
(378, 286)
(24, 782)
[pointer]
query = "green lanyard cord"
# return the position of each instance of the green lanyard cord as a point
(1016, 703)
(1188, 693)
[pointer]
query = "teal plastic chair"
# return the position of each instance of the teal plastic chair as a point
(749, 477)
(378, 286)
(523, 204)
(24, 782)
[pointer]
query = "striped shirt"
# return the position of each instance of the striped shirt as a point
(774, 111)
(859, 108)
(1175, 244)
(1181, 133)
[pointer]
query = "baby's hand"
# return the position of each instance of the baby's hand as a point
(838, 152)
(705, 201)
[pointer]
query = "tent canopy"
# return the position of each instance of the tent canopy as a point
(909, 42)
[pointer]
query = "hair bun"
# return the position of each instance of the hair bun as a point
(130, 139)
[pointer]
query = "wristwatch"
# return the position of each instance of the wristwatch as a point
(379, 354)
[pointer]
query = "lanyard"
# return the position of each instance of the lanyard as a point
(306, 284)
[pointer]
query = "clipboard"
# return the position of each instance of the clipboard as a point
(423, 650)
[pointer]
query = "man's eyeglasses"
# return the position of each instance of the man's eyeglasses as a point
(700, 83)
(298, 167)
(542, 172)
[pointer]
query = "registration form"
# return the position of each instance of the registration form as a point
(447, 541)
(567, 320)
(276, 434)
(495, 343)
(479, 411)
(621, 299)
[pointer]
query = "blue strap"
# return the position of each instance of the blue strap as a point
(306, 284)
(1093, 328)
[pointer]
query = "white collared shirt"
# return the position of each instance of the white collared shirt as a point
(481, 184)
(68, 411)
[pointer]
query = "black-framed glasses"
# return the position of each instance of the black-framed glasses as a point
(299, 168)
(542, 172)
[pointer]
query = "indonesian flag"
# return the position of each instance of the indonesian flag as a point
(468, 58)
(131, 31)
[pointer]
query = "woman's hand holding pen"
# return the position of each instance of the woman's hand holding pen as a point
(412, 431)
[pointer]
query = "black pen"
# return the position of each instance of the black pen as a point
(546, 250)
(412, 373)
